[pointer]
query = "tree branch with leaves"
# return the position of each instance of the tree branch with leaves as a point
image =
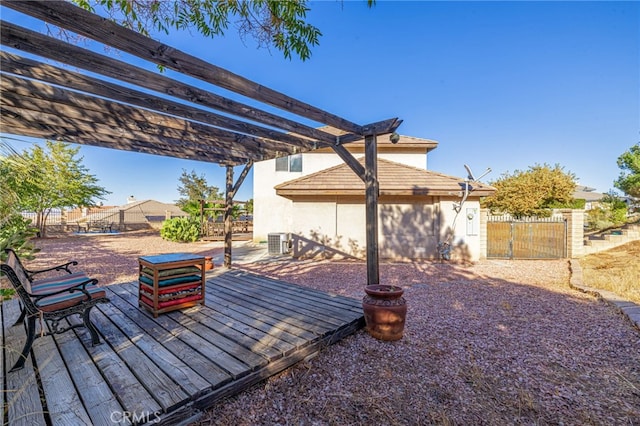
(533, 192)
(276, 23)
(50, 178)
(629, 179)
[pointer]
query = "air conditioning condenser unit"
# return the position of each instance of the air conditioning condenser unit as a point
(278, 243)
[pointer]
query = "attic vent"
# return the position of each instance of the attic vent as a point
(278, 243)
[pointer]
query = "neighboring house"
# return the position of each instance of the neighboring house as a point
(136, 214)
(592, 198)
(320, 201)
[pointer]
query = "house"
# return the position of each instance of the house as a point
(592, 199)
(134, 215)
(319, 201)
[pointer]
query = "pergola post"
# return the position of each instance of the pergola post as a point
(371, 191)
(231, 190)
(228, 229)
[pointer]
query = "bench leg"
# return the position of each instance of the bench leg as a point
(95, 337)
(31, 336)
(23, 313)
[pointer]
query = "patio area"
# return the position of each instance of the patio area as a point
(169, 369)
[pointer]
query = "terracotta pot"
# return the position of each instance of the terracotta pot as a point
(208, 263)
(385, 311)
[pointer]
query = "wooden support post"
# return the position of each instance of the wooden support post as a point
(372, 190)
(228, 229)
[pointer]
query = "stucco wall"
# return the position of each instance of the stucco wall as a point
(462, 230)
(336, 228)
(271, 212)
(409, 228)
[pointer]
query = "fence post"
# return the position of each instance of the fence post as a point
(575, 232)
(121, 220)
(484, 218)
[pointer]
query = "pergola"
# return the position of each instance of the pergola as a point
(117, 105)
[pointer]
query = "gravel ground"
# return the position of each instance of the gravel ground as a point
(495, 343)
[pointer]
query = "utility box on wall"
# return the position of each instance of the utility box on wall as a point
(473, 221)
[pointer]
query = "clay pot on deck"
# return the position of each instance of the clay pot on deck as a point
(385, 311)
(208, 263)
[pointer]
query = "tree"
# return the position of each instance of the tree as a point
(629, 179)
(533, 192)
(276, 23)
(15, 231)
(52, 178)
(249, 206)
(194, 188)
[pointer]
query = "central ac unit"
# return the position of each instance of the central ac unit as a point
(278, 243)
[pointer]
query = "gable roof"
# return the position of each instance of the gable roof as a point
(146, 208)
(394, 179)
(586, 193)
(405, 143)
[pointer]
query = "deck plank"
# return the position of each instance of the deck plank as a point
(291, 312)
(275, 320)
(284, 334)
(132, 394)
(193, 338)
(234, 334)
(158, 383)
(100, 402)
(203, 365)
(167, 370)
(319, 309)
(327, 299)
(180, 372)
(58, 386)
(270, 344)
(249, 358)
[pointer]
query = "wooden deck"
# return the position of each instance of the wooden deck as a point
(167, 370)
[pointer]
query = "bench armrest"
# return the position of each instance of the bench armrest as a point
(63, 267)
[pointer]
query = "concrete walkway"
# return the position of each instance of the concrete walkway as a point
(243, 252)
(627, 308)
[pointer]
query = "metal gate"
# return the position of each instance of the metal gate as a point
(529, 238)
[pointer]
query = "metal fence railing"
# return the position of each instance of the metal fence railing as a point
(114, 219)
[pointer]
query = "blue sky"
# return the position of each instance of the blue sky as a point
(505, 85)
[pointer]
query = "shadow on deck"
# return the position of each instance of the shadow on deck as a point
(167, 370)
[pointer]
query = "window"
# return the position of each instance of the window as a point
(282, 164)
(292, 163)
(295, 163)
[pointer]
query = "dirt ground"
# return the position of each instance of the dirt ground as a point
(496, 342)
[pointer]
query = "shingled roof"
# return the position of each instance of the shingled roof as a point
(394, 179)
(384, 144)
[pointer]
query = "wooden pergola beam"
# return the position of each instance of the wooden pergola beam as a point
(39, 44)
(100, 112)
(36, 70)
(38, 129)
(35, 124)
(74, 18)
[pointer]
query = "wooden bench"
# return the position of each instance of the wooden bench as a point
(51, 300)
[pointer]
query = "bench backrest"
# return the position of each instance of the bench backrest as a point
(17, 274)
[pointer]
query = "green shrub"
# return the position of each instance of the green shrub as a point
(181, 229)
(16, 233)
